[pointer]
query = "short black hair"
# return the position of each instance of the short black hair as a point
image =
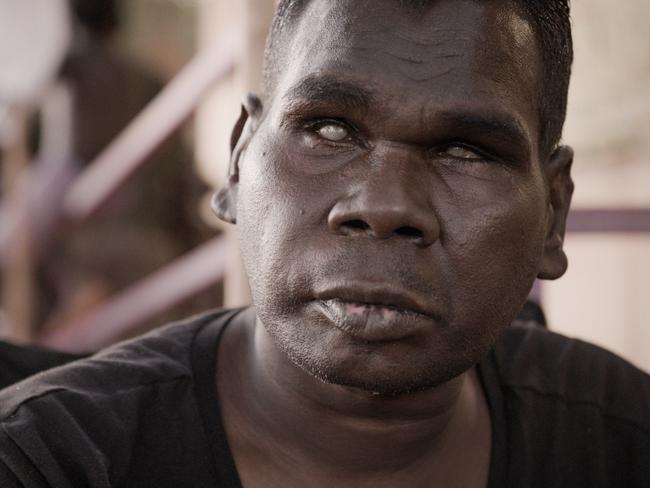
(551, 23)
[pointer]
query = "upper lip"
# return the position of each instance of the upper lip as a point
(377, 294)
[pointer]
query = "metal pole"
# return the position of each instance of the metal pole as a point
(17, 273)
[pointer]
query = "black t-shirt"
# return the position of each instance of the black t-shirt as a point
(19, 362)
(145, 413)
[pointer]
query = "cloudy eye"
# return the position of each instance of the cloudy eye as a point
(333, 132)
(460, 152)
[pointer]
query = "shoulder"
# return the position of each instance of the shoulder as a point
(575, 372)
(19, 362)
(576, 414)
(158, 357)
(101, 410)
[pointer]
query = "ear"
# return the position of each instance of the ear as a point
(560, 187)
(224, 202)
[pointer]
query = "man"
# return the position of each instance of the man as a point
(397, 190)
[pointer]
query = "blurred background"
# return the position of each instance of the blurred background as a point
(115, 121)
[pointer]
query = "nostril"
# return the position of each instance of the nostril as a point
(356, 225)
(411, 232)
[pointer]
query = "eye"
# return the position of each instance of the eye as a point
(460, 152)
(333, 132)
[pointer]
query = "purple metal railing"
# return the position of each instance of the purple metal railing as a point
(184, 277)
(148, 130)
(605, 220)
(167, 287)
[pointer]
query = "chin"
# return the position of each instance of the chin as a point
(412, 364)
(376, 373)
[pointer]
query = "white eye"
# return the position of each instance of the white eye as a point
(333, 132)
(460, 152)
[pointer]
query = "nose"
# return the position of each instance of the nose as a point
(389, 201)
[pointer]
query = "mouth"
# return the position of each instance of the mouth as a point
(376, 314)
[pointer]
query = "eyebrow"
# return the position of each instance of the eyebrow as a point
(502, 125)
(329, 89)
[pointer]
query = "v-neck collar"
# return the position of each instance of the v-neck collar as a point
(204, 362)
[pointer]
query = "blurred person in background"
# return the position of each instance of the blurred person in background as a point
(148, 222)
(151, 219)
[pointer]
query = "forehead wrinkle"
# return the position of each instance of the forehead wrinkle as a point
(412, 64)
(424, 53)
(412, 47)
(342, 28)
(408, 56)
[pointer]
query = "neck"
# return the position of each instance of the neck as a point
(350, 429)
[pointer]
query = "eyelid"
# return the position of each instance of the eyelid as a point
(315, 124)
(483, 154)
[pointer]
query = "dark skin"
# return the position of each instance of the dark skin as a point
(394, 208)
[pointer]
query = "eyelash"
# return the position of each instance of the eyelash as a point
(482, 154)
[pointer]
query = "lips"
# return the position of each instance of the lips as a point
(376, 313)
(382, 295)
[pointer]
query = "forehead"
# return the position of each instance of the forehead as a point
(448, 53)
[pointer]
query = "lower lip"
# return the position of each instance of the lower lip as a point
(374, 323)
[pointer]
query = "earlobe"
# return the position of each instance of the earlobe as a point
(560, 185)
(224, 202)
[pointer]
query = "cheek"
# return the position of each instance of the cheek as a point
(493, 249)
(279, 213)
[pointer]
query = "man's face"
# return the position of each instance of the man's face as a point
(392, 206)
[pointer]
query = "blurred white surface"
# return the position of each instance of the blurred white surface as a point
(604, 296)
(608, 123)
(40, 28)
